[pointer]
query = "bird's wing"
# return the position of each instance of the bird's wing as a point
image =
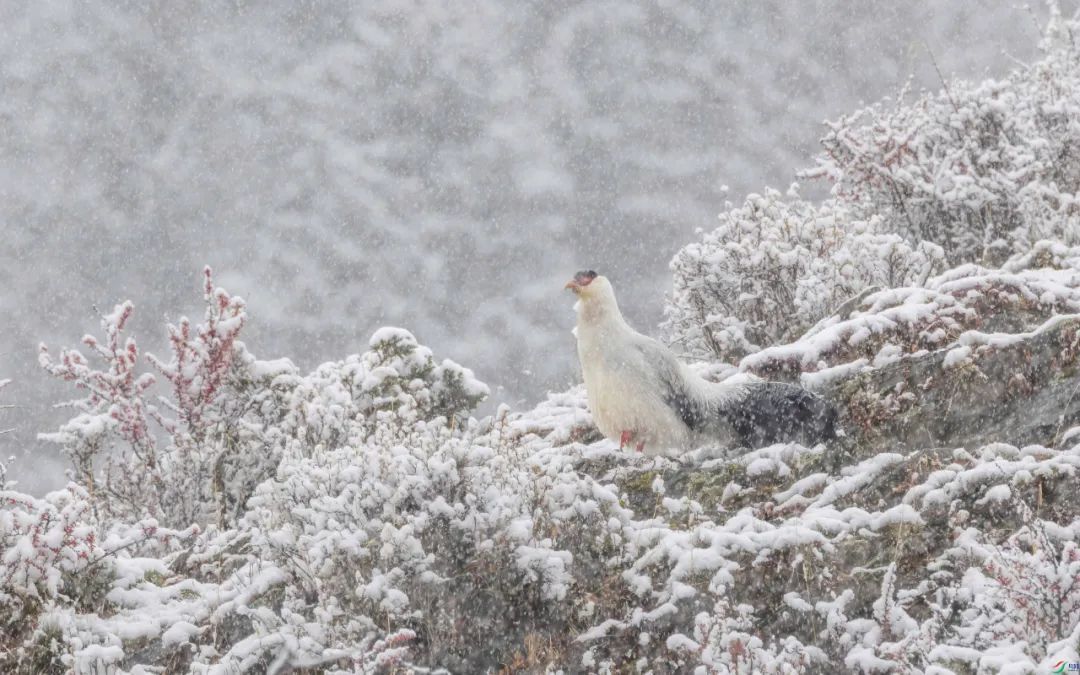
(671, 380)
(759, 413)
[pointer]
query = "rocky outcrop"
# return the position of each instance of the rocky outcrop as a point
(945, 517)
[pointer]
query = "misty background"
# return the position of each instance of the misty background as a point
(443, 167)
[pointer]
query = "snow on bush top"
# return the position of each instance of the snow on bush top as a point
(984, 170)
(774, 267)
(966, 305)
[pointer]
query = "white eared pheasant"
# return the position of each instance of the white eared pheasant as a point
(641, 395)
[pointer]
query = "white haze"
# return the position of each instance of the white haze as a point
(443, 167)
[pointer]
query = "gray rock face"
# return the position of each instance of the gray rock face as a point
(1021, 390)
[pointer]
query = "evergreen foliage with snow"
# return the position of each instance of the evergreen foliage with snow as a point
(229, 514)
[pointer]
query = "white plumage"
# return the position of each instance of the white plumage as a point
(640, 394)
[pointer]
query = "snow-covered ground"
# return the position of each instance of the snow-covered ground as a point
(359, 518)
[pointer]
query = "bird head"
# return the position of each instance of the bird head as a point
(581, 281)
(596, 297)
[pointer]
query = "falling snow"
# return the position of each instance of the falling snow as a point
(289, 482)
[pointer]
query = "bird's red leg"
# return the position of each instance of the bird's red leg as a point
(624, 439)
(641, 446)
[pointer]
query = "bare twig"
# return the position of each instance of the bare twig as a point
(944, 84)
(845, 308)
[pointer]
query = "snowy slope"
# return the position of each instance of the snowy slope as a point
(230, 514)
(391, 534)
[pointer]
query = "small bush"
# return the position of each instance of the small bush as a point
(775, 267)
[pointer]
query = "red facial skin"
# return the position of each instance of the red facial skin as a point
(580, 280)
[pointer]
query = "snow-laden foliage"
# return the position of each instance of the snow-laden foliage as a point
(393, 530)
(774, 267)
(132, 471)
(965, 309)
(42, 539)
(57, 562)
(243, 516)
(413, 162)
(195, 455)
(983, 169)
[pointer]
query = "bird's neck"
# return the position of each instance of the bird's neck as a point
(600, 315)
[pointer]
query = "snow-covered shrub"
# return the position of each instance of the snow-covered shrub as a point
(197, 455)
(802, 568)
(961, 309)
(983, 169)
(985, 606)
(1027, 590)
(393, 521)
(114, 405)
(776, 266)
(40, 540)
(447, 533)
(138, 460)
(396, 379)
(57, 561)
(394, 531)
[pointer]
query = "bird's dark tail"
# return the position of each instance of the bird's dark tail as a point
(775, 412)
